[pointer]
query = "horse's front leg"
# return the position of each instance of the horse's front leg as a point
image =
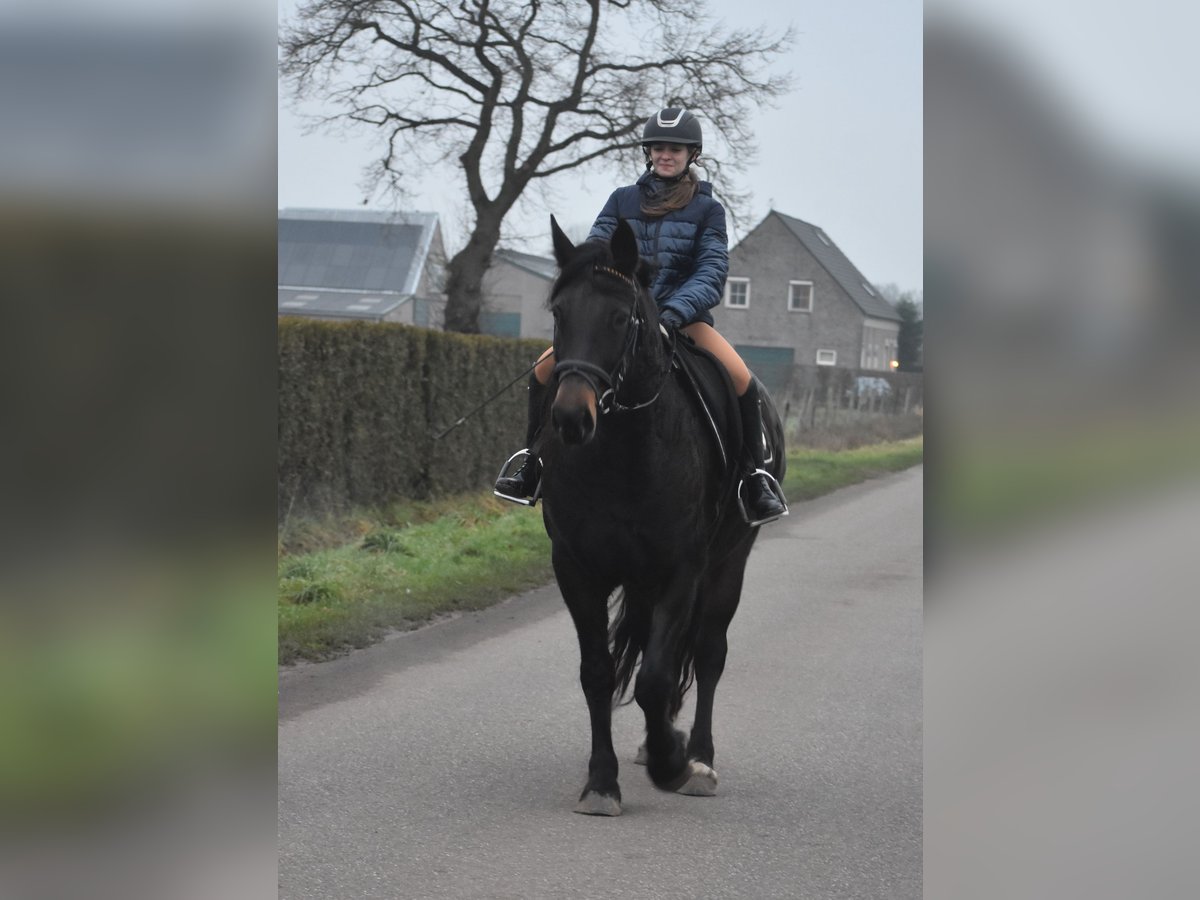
(658, 683)
(588, 605)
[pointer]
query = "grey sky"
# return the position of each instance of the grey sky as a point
(843, 150)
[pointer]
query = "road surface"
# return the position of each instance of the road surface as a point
(444, 763)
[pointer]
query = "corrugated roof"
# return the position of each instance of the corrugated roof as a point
(356, 250)
(541, 266)
(836, 263)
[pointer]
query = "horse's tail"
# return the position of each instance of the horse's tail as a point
(627, 633)
(627, 636)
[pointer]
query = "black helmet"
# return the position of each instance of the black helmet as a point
(673, 126)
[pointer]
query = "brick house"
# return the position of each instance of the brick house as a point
(793, 298)
(361, 264)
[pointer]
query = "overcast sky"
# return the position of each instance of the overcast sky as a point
(842, 151)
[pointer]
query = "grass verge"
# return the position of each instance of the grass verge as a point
(473, 552)
(812, 473)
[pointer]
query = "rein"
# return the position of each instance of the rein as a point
(596, 377)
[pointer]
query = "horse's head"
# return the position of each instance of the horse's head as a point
(601, 307)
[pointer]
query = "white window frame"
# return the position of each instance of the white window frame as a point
(791, 297)
(830, 360)
(729, 294)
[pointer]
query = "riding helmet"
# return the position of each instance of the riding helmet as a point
(672, 126)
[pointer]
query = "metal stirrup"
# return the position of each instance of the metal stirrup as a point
(773, 484)
(525, 454)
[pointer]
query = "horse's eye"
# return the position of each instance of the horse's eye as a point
(620, 319)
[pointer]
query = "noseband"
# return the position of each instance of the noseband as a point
(596, 377)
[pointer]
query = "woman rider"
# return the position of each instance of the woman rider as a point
(680, 227)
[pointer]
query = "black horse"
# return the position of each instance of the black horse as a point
(637, 497)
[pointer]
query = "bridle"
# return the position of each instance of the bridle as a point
(596, 377)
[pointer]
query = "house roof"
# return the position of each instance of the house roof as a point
(338, 304)
(836, 263)
(360, 250)
(536, 265)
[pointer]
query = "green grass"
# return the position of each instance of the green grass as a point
(465, 553)
(400, 577)
(812, 473)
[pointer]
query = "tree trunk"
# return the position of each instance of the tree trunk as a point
(464, 277)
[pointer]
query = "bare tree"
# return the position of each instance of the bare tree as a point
(518, 91)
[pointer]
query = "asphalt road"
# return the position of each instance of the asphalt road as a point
(444, 763)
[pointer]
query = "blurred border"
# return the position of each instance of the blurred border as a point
(1062, 297)
(137, 189)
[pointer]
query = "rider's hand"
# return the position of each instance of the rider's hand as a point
(670, 318)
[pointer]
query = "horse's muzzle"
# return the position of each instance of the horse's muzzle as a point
(574, 411)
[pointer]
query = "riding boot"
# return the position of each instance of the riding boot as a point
(521, 486)
(762, 502)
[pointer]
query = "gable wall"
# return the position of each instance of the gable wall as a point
(771, 256)
(509, 289)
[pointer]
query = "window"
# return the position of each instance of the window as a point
(737, 293)
(826, 357)
(800, 296)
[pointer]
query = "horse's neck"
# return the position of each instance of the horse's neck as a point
(646, 377)
(653, 355)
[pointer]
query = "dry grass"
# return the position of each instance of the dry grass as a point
(847, 429)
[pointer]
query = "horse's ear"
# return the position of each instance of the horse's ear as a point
(563, 248)
(624, 248)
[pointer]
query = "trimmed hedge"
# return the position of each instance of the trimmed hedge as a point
(360, 404)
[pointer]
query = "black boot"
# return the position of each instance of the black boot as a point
(762, 504)
(521, 486)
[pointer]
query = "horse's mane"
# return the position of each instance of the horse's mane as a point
(587, 257)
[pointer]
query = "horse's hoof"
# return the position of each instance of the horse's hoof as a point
(641, 759)
(701, 782)
(593, 804)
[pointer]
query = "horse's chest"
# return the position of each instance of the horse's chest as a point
(623, 540)
(633, 501)
(623, 550)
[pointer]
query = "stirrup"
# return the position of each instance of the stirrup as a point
(775, 489)
(524, 456)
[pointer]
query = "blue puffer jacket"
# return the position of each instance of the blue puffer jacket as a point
(689, 245)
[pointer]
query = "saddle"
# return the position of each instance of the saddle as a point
(707, 382)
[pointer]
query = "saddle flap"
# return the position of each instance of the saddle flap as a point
(709, 384)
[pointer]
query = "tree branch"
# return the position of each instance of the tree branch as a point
(514, 92)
